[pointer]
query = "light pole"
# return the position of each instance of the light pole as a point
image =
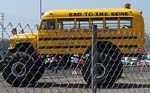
(40, 8)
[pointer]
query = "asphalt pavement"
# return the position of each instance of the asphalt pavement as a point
(134, 80)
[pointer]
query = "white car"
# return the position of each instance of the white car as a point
(147, 62)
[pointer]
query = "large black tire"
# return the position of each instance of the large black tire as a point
(22, 69)
(109, 67)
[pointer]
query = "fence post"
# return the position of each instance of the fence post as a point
(94, 59)
(2, 25)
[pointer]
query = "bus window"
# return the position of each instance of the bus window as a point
(111, 24)
(47, 24)
(51, 24)
(66, 24)
(44, 25)
(99, 24)
(60, 25)
(125, 23)
(83, 24)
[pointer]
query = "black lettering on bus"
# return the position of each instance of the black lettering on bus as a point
(79, 14)
(70, 14)
(86, 13)
(75, 14)
(106, 14)
(119, 14)
(126, 14)
(96, 14)
(101, 14)
(113, 14)
(90, 14)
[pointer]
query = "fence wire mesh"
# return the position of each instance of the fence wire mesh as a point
(62, 63)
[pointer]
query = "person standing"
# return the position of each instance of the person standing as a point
(53, 63)
(75, 63)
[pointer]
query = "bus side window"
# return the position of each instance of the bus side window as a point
(125, 23)
(51, 24)
(60, 25)
(44, 25)
(111, 23)
(99, 23)
(68, 25)
(83, 24)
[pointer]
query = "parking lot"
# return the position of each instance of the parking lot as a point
(134, 80)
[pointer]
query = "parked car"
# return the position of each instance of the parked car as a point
(142, 63)
(130, 61)
(145, 62)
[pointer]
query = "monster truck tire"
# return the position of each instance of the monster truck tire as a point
(108, 67)
(22, 69)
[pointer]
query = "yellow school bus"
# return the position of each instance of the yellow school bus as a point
(120, 32)
(71, 32)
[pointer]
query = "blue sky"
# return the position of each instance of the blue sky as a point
(28, 11)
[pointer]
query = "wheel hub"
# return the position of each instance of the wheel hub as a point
(101, 70)
(18, 69)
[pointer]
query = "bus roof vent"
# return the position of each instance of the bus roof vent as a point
(127, 5)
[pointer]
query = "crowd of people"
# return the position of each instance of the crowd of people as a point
(53, 62)
(144, 60)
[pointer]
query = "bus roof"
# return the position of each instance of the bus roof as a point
(101, 12)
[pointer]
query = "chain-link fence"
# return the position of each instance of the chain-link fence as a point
(44, 63)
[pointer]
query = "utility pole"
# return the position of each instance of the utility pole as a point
(40, 8)
(2, 26)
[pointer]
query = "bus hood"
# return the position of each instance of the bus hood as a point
(22, 38)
